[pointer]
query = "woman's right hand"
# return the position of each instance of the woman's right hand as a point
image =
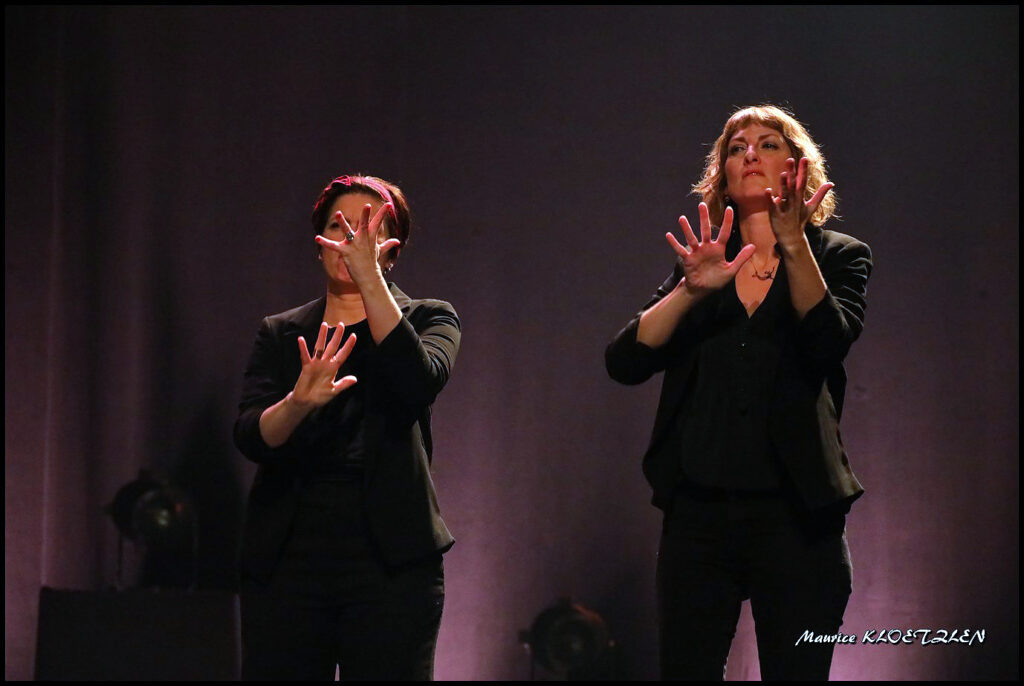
(316, 385)
(705, 268)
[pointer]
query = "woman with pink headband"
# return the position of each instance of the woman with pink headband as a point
(341, 554)
(745, 459)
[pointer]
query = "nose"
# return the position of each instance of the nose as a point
(751, 154)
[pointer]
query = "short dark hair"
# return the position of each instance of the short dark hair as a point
(399, 225)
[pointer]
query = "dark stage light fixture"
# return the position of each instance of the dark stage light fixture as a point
(162, 519)
(571, 642)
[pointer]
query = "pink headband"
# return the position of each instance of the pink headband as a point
(381, 190)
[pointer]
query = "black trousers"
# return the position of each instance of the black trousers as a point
(332, 602)
(718, 549)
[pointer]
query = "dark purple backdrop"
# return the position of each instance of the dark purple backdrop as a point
(160, 168)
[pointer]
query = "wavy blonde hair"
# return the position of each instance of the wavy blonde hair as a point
(712, 185)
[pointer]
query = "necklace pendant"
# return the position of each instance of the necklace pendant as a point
(769, 274)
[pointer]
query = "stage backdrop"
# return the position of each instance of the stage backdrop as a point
(160, 167)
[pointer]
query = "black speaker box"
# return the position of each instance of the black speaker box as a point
(138, 635)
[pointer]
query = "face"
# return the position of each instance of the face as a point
(755, 159)
(351, 207)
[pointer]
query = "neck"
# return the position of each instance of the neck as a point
(756, 228)
(344, 304)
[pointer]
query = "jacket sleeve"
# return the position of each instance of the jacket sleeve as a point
(631, 362)
(262, 387)
(416, 359)
(828, 330)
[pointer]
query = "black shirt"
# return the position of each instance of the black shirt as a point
(723, 433)
(335, 433)
(404, 374)
(808, 381)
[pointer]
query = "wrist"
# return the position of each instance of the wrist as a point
(296, 405)
(373, 284)
(691, 293)
(792, 247)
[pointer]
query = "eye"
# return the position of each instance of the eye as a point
(736, 148)
(770, 145)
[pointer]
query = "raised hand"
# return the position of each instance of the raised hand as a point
(704, 264)
(787, 210)
(362, 247)
(316, 385)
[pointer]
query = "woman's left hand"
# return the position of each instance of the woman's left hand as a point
(788, 211)
(362, 252)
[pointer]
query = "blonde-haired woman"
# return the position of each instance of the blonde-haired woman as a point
(746, 459)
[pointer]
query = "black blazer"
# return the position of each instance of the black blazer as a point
(810, 383)
(405, 372)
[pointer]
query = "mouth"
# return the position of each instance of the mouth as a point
(751, 172)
